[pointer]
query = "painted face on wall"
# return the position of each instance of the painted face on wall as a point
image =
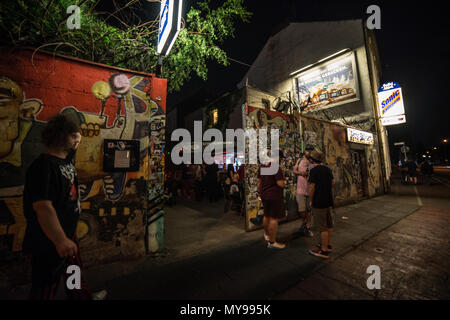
(120, 84)
(11, 97)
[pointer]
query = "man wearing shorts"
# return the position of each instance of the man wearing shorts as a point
(301, 169)
(320, 189)
(270, 188)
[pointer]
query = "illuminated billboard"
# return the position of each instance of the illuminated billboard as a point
(329, 84)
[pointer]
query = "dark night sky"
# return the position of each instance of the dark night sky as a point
(413, 45)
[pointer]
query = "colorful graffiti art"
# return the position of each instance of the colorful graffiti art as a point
(288, 127)
(113, 204)
(17, 116)
(349, 166)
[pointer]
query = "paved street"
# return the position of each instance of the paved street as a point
(404, 233)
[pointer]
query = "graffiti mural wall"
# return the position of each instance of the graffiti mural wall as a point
(107, 103)
(357, 172)
(289, 132)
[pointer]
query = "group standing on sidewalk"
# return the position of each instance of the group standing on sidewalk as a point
(314, 196)
(409, 170)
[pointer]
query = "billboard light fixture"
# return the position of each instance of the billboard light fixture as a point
(333, 55)
(320, 61)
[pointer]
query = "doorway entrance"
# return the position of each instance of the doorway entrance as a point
(359, 172)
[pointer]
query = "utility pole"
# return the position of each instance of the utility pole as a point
(159, 67)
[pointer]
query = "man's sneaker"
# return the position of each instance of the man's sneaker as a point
(319, 253)
(309, 233)
(301, 230)
(101, 295)
(276, 245)
(329, 248)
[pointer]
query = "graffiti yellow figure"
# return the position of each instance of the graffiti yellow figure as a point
(15, 112)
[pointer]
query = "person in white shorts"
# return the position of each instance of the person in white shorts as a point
(302, 168)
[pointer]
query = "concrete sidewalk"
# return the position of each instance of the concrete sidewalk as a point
(242, 267)
(413, 256)
(414, 264)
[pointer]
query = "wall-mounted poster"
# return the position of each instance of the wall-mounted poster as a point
(310, 138)
(329, 84)
(121, 155)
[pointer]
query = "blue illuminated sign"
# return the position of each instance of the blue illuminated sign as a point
(169, 25)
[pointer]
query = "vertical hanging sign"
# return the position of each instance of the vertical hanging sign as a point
(169, 25)
(390, 100)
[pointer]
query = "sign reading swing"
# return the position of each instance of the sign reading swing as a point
(169, 25)
(390, 104)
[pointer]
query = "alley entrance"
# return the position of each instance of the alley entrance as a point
(205, 208)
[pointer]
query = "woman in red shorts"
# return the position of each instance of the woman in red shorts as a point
(270, 188)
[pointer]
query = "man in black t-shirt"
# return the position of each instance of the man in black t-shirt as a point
(321, 200)
(52, 209)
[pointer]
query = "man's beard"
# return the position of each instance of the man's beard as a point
(71, 155)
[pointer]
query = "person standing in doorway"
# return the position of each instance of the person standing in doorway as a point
(321, 201)
(270, 189)
(302, 168)
(52, 209)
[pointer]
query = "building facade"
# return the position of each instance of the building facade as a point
(317, 84)
(302, 50)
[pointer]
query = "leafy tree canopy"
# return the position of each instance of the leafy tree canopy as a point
(116, 38)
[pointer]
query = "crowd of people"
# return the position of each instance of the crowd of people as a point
(197, 182)
(313, 194)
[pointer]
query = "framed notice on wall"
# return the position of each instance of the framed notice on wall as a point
(121, 155)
